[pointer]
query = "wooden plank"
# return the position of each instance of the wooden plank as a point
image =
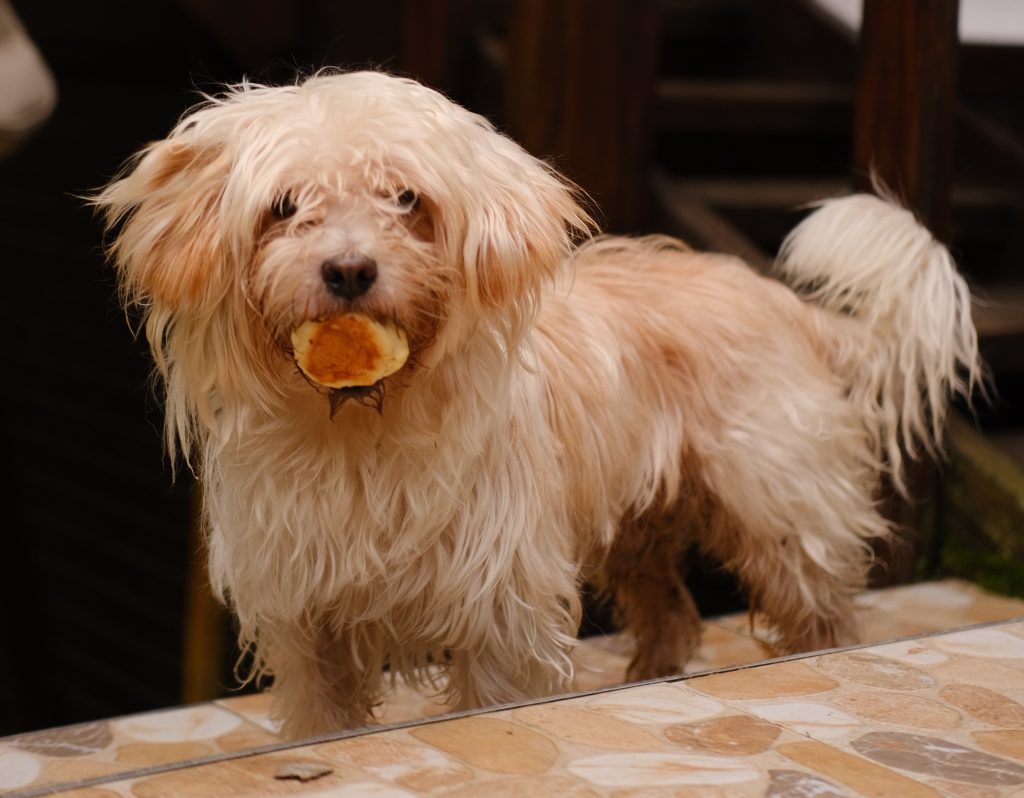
(686, 106)
(579, 88)
(784, 39)
(687, 216)
(781, 194)
(999, 311)
(996, 142)
(788, 193)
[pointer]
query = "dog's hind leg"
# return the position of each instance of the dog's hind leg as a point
(808, 606)
(644, 572)
(791, 480)
(796, 537)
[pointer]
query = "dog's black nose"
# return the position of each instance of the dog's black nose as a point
(350, 277)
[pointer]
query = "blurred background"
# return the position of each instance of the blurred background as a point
(715, 120)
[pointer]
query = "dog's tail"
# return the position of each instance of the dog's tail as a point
(913, 344)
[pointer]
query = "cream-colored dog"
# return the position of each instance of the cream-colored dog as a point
(567, 410)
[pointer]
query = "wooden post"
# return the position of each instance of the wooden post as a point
(579, 89)
(903, 134)
(204, 646)
(431, 33)
(906, 98)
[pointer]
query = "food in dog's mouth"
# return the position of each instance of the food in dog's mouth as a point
(349, 351)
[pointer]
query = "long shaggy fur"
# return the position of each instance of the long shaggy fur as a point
(567, 411)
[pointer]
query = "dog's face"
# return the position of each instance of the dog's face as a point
(359, 192)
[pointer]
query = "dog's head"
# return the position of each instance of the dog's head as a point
(362, 192)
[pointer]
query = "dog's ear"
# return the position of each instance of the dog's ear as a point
(164, 213)
(522, 222)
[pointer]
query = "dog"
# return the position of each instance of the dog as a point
(573, 406)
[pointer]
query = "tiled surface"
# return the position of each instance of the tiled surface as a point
(939, 716)
(600, 662)
(109, 747)
(912, 610)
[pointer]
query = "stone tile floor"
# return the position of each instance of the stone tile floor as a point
(940, 715)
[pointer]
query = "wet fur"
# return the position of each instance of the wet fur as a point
(570, 409)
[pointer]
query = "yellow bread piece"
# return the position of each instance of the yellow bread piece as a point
(349, 351)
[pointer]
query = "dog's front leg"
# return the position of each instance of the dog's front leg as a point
(523, 653)
(323, 681)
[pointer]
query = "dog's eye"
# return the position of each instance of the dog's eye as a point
(408, 200)
(283, 207)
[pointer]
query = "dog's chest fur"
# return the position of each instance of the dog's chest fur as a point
(398, 519)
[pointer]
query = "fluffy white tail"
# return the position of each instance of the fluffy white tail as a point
(915, 345)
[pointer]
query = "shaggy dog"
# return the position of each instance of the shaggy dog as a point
(572, 407)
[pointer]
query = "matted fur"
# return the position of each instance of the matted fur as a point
(566, 411)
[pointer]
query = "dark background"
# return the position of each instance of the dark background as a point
(745, 106)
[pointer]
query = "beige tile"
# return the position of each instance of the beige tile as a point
(723, 647)
(657, 739)
(254, 708)
(930, 607)
(795, 678)
(398, 759)
(250, 777)
(107, 748)
(907, 610)
(902, 707)
(492, 744)
(1001, 742)
(521, 786)
(867, 778)
(728, 735)
(19, 769)
(406, 703)
(602, 661)
(655, 704)
(574, 722)
(198, 723)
